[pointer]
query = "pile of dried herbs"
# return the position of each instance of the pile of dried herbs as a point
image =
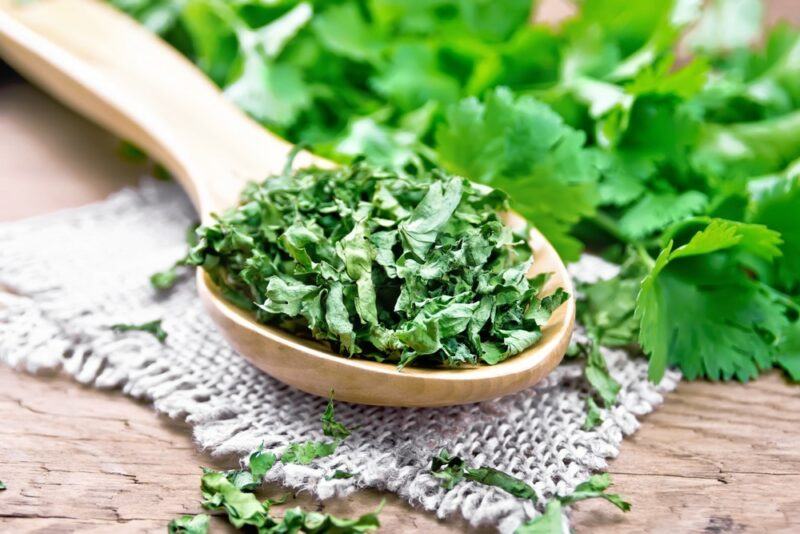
(381, 266)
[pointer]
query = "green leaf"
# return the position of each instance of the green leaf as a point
(522, 147)
(726, 25)
(340, 475)
(152, 327)
(598, 376)
(421, 229)
(189, 524)
(698, 308)
(380, 265)
(452, 470)
(343, 30)
(242, 508)
(788, 351)
(449, 469)
(306, 452)
(550, 522)
(492, 477)
(778, 208)
(594, 416)
(2, 486)
(260, 463)
(412, 77)
(606, 309)
(330, 426)
(654, 212)
(595, 487)
(165, 279)
(272, 93)
(748, 148)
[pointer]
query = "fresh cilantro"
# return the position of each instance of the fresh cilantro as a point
(189, 524)
(152, 327)
(597, 374)
(777, 207)
(700, 309)
(379, 266)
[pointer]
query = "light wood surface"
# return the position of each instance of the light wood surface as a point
(715, 458)
(114, 71)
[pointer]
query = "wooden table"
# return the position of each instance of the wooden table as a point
(715, 458)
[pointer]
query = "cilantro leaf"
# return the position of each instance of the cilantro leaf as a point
(699, 309)
(340, 475)
(788, 351)
(452, 470)
(152, 327)
(594, 417)
(330, 426)
(550, 522)
(242, 508)
(655, 212)
(164, 280)
(449, 469)
(597, 374)
(189, 524)
(606, 310)
(595, 487)
(524, 148)
(777, 208)
(308, 451)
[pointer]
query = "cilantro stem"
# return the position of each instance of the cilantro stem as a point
(645, 257)
(606, 223)
(780, 297)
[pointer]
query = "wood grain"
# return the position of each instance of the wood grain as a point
(141, 89)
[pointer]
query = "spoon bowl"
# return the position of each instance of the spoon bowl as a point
(106, 66)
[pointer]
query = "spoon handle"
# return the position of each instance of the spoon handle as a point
(108, 67)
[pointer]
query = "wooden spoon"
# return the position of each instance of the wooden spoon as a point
(111, 69)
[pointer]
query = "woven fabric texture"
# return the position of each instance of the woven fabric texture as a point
(70, 275)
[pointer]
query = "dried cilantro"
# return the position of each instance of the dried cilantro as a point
(452, 470)
(152, 327)
(189, 524)
(380, 266)
(232, 492)
(2, 485)
(552, 521)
